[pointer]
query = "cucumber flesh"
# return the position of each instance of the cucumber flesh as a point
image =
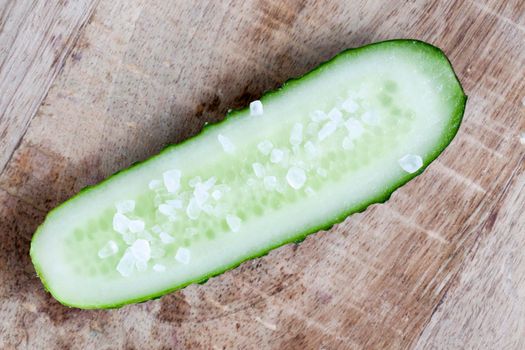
(304, 157)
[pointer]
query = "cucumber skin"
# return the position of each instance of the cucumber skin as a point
(453, 127)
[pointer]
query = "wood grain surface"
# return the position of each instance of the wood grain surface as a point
(89, 87)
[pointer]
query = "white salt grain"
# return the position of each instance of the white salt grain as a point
(318, 116)
(183, 256)
(125, 206)
(270, 182)
(309, 191)
(201, 195)
(109, 249)
(226, 143)
(256, 108)
(310, 148)
(277, 155)
(159, 268)
(327, 130)
(166, 238)
(172, 180)
(216, 194)
(136, 226)
(296, 135)
(120, 223)
(336, 116)
(234, 222)
(522, 136)
(354, 127)
(370, 118)
(411, 163)
(155, 184)
(141, 265)
(175, 203)
(347, 143)
(265, 147)
(350, 106)
(126, 264)
(194, 181)
(167, 210)
(258, 169)
(296, 177)
(141, 250)
(193, 210)
(157, 229)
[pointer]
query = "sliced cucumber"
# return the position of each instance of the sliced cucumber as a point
(323, 146)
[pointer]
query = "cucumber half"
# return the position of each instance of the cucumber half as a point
(304, 157)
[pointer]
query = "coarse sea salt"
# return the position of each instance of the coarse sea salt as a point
(141, 250)
(166, 238)
(410, 163)
(296, 177)
(136, 226)
(296, 134)
(350, 105)
(109, 249)
(270, 182)
(258, 169)
(155, 185)
(256, 108)
(234, 222)
(120, 223)
(354, 127)
(126, 265)
(125, 206)
(226, 143)
(167, 210)
(193, 210)
(318, 116)
(327, 130)
(216, 194)
(277, 155)
(370, 118)
(265, 147)
(172, 180)
(183, 255)
(336, 116)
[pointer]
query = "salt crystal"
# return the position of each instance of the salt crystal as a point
(322, 172)
(226, 143)
(145, 235)
(327, 130)
(125, 206)
(310, 148)
(354, 127)
(120, 223)
(167, 210)
(141, 250)
(157, 229)
(155, 184)
(175, 203)
(296, 177)
(136, 226)
(109, 249)
(256, 108)
(296, 135)
(166, 238)
(347, 143)
(194, 181)
(258, 169)
(183, 256)
(172, 180)
(370, 118)
(216, 194)
(126, 264)
(200, 194)
(193, 211)
(522, 136)
(265, 147)
(411, 163)
(277, 155)
(270, 182)
(350, 106)
(335, 115)
(129, 237)
(234, 222)
(208, 184)
(159, 268)
(318, 116)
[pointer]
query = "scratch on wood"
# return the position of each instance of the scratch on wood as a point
(437, 165)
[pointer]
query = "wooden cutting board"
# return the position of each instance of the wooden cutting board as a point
(88, 87)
